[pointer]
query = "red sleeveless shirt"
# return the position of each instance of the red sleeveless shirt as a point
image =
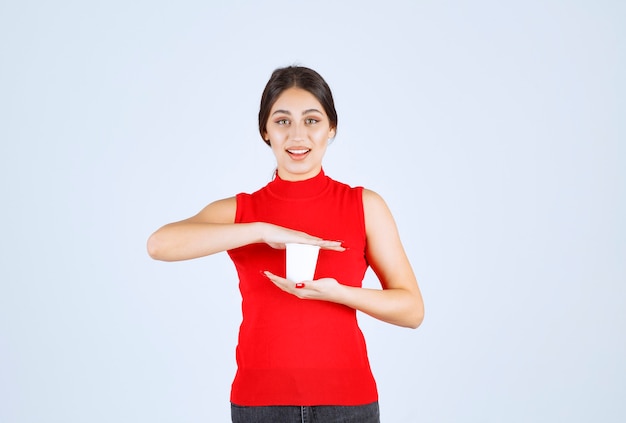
(293, 351)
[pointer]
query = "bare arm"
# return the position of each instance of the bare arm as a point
(214, 230)
(400, 300)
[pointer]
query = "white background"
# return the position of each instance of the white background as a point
(494, 130)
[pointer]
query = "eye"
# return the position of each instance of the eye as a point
(283, 121)
(311, 121)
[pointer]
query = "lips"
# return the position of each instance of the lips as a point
(298, 153)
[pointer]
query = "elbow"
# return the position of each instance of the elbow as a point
(410, 312)
(410, 318)
(416, 320)
(155, 247)
(416, 316)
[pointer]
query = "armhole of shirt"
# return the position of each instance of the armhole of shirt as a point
(239, 207)
(361, 212)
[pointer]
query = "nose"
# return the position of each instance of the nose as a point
(297, 131)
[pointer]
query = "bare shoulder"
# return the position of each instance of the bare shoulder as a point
(370, 196)
(374, 206)
(379, 221)
(220, 211)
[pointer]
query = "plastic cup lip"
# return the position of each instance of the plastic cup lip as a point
(300, 245)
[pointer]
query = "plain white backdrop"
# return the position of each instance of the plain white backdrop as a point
(494, 130)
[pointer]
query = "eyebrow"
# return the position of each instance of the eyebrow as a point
(287, 112)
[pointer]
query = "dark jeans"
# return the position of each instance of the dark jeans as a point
(368, 413)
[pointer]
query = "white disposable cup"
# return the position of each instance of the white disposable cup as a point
(301, 261)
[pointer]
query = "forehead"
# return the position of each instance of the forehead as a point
(297, 100)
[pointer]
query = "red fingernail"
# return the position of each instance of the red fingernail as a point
(300, 285)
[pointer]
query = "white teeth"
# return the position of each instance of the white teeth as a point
(299, 151)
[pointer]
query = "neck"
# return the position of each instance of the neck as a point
(285, 175)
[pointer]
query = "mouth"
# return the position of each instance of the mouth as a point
(298, 153)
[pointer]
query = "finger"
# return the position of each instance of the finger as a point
(271, 276)
(332, 245)
(333, 248)
(281, 282)
(287, 285)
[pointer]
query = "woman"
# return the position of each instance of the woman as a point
(301, 355)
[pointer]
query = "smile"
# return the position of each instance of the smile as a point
(298, 153)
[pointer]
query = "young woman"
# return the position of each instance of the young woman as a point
(301, 355)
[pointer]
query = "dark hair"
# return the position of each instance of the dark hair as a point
(300, 77)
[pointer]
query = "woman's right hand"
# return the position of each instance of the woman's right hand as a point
(213, 230)
(277, 236)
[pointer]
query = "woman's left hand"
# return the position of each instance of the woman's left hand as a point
(327, 289)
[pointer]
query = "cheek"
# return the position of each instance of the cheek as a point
(323, 134)
(276, 133)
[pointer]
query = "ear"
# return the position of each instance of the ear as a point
(332, 132)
